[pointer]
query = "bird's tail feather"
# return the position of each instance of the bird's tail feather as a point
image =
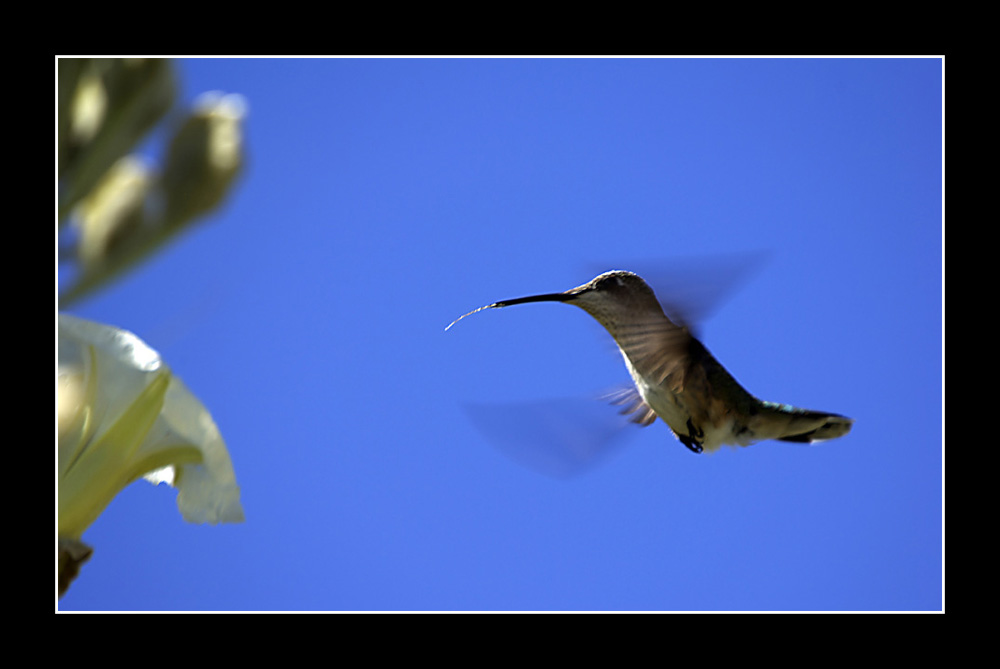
(805, 426)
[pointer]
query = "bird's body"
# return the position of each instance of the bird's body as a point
(677, 379)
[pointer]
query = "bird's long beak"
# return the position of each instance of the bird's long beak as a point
(568, 296)
(547, 297)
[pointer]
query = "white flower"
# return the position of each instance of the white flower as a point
(122, 415)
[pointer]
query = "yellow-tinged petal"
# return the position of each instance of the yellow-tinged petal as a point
(207, 490)
(105, 465)
(123, 415)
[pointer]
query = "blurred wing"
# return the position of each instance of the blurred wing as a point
(691, 288)
(559, 438)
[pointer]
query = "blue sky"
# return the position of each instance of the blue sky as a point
(384, 197)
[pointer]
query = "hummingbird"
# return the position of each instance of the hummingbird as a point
(675, 377)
